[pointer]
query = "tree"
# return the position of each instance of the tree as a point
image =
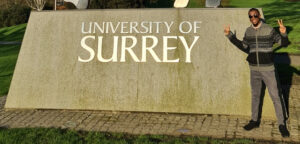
(36, 4)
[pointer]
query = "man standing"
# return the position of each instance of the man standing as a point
(258, 42)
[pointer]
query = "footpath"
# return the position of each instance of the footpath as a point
(10, 42)
(216, 126)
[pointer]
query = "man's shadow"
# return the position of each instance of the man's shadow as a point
(284, 76)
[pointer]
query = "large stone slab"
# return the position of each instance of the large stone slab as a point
(50, 75)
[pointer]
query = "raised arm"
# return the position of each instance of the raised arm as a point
(242, 45)
(282, 38)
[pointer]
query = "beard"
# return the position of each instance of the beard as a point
(255, 25)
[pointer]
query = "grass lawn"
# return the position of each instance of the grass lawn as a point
(63, 136)
(8, 59)
(13, 33)
(273, 10)
(9, 54)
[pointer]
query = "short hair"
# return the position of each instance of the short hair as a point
(254, 9)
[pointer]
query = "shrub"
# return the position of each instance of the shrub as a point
(114, 4)
(14, 14)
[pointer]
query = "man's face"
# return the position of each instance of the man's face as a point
(254, 17)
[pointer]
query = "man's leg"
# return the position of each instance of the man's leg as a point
(256, 85)
(270, 80)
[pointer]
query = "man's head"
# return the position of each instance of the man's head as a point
(254, 16)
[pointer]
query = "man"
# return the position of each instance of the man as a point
(258, 42)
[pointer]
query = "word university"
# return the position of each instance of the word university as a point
(129, 36)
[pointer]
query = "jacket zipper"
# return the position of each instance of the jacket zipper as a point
(257, 59)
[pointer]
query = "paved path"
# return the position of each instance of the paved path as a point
(9, 42)
(217, 126)
(295, 60)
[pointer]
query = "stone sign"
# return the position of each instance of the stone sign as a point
(152, 60)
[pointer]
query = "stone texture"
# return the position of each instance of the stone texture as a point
(215, 82)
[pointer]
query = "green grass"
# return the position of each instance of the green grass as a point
(8, 59)
(13, 33)
(196, 4)
(272, 10)
(64, 136)
(249, 3)
(9, 54)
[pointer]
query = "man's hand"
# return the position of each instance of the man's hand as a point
(282, 28)
(227, 30)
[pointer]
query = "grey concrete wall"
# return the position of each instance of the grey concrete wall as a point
(49, 76)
